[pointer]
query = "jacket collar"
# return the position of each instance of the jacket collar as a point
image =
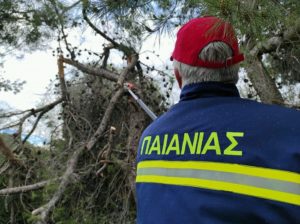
(208, 89)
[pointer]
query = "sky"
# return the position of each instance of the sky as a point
(37, 68)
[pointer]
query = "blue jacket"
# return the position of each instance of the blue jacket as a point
(217, 158)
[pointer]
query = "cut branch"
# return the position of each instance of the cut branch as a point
(126, 71)
(111, 105)
(61, 75)
(96, 72)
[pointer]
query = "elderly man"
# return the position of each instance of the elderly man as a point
(214, 157)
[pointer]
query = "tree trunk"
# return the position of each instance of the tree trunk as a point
(263, 83)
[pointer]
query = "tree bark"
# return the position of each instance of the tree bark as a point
(263, 83)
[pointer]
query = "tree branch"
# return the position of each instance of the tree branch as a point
(61, 75)
(125, 49)
(106, 154)
(263, 83)
(27, 188)
(33, 112)
(46, 209)
(85, 17)
(96, 72)
(272, 44)
(106, 52)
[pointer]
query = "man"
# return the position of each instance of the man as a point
(214, 157)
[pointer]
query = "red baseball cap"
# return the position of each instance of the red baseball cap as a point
(199, 32)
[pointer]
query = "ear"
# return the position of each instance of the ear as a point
(178, 77)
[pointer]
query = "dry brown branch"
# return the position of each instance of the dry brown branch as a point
(27, 188)
(100, 72)
(137, 123)
(126, 71)
(106, 154)
(61, 75)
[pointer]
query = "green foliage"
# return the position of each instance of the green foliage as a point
(25, 24)
(8, 85)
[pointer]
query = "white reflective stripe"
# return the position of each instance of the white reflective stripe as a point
(276, 185)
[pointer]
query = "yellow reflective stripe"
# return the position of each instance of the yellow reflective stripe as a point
(271, 184)
(223, 186)
(224, 167)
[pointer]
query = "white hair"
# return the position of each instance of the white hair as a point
(213, 52)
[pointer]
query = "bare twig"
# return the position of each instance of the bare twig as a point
(85, 17)
(61, 23)
(33, 112)
(126, 71)
(34, 125)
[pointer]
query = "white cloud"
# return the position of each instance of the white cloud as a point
(36, 69)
